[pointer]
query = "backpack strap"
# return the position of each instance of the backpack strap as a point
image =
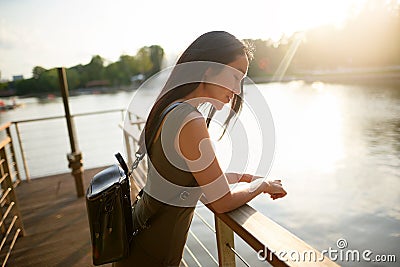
(160, 119)
(139, 154)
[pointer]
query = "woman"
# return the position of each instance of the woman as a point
(181, 154)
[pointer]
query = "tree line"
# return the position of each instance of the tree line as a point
(147, 62)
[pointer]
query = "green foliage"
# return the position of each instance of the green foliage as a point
(143, 60)
(3, 86)
(147, 61)
(156, 57)
(73, 78)
(370, 39)
(45, 83)
(95, 68)
(26, 86)
(37, 71)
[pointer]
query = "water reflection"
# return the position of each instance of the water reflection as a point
(338, 153)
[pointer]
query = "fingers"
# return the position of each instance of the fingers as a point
(278, 195)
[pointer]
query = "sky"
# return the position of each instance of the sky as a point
(55, 33)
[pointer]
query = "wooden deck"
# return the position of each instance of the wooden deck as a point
(55, 220)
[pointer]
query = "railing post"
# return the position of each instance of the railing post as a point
(75, 161)
(28, 177)
(225, 241)
(13, 157)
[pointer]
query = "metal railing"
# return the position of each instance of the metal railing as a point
(18, 135)
(11, 226)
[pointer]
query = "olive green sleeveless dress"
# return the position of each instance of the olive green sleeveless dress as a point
(163, 242)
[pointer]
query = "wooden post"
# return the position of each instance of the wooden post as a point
(225, 239)
(75, 161)
(13, 156)
(28, 177)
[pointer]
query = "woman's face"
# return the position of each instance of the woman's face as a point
(221, 86)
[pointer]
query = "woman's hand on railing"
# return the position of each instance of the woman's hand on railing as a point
(274, 189)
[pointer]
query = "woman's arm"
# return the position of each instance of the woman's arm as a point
(234, 178)
(194, 145)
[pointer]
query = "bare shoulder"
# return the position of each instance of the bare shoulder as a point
(194, 123)
(193, 132)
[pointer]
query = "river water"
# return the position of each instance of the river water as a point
(337, 154)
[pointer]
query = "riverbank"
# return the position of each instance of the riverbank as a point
(388, 76)
(384, 77)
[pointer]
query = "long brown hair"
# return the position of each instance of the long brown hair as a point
(216, 46)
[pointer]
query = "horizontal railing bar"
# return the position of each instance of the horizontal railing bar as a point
(39, 119)
(238, 255)
(6, 213)
(8, 231)
(137, 122)
(75, 115)
(193, 256)
(203, 246)
(5, 126)
(11, 247)
(261, 233)
(129, 134)
(205, 222)
(5, 194)
(98, 112)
